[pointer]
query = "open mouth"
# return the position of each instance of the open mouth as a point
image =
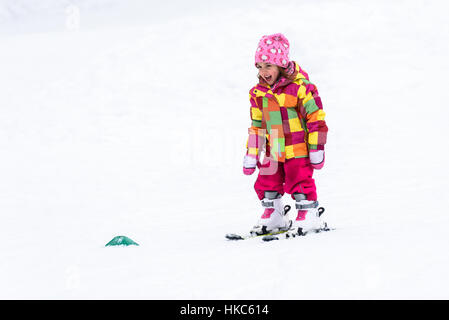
(268, 79)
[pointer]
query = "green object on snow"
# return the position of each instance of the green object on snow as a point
(121, 241)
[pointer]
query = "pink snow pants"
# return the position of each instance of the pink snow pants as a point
(293, 175)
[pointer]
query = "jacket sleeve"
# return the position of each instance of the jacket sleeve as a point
(311, 110)
(256, 135)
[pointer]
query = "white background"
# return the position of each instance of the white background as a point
(130, 118)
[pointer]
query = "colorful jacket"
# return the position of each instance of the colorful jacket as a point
(287, 119)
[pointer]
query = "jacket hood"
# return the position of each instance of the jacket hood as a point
(298, 74)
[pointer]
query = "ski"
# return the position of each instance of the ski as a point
(234, 236)
(280, 234)
(293, 234)
(297, 233)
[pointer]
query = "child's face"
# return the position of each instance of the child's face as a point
(269, 72)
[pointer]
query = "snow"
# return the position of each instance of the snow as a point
(130, 118)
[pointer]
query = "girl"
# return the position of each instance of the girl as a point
(288, 124)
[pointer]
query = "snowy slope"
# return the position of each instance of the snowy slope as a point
(131, 117)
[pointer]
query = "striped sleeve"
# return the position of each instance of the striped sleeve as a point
(256, 135)
(312, 110)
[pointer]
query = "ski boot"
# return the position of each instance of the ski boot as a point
(308, 218)
(275, 216)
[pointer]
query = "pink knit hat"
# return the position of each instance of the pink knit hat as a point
(273, 49)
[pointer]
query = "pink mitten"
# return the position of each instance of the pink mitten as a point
(316, 158)
(249, 165)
